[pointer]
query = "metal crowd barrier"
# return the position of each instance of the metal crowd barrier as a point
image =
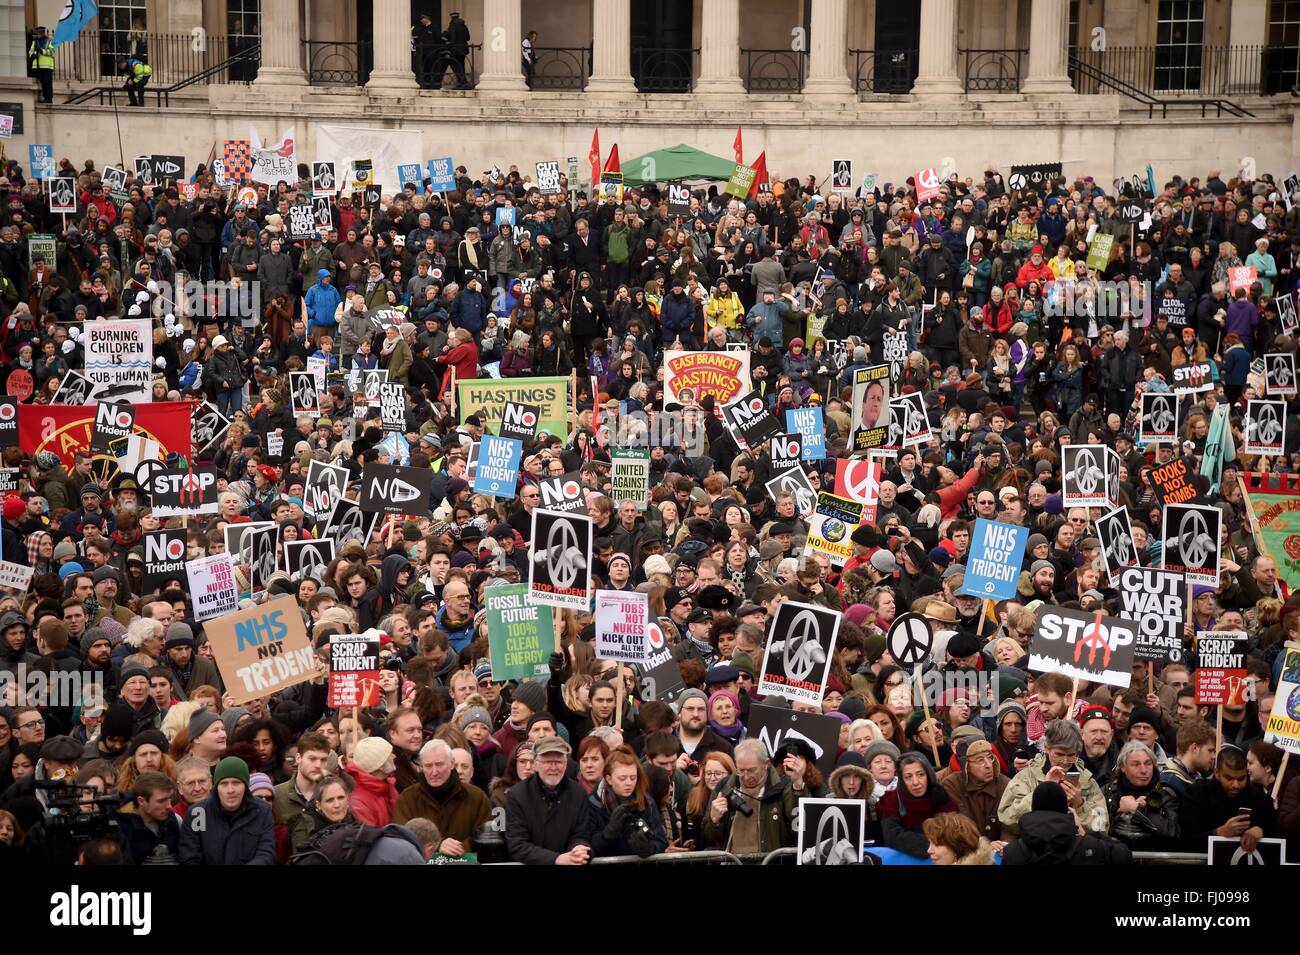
(779, 856)
(704, 855)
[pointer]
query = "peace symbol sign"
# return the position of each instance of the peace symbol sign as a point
(306, 392)
(860, 481)
(1087, 476)
(562, 555)
(1267, 427)
(1016, 180)
(1121, 549)
(1242, 857)
(1161, 418)
(909, 640)
(832, 829)
(1194, 541)
(798, 655)
(1282, 372)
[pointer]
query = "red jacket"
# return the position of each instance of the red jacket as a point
(952, 496)
(373, 798)
(464, 358)
(1029, 272)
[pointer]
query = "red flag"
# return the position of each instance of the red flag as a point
(760, 172)
(738, 147)
(67, 429)
(612, 164)
(594, 157)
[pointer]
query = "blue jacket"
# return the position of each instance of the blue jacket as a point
(211, 836)
(1053, 225)
(458, 637)
(322, 301)
(765, 320)
(676, 316)
(1236, 365)
(469, 311)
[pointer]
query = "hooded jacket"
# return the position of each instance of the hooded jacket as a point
(902, 814)
(1051, 838)
(354, 326)
(979, 802)
(373, 798)
(1017, 799)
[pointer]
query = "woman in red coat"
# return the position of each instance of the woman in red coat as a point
(372, 770)
(460, 354)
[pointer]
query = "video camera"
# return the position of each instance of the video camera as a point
(80, 812)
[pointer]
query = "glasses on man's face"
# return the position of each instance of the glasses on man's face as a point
(487, 683)
(32, 724)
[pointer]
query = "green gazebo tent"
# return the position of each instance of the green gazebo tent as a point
(680, 162)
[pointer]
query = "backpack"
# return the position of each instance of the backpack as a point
(345, 843)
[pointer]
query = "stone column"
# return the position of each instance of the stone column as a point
(828, 72)
(502, 47)
(937, 69)
(720, 47)
(392, 33)
(281, 45)
(611, 47)
(1049, 27)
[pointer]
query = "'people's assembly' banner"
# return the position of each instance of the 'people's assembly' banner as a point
(67, 429)
(1088, 646)
(487, 397)
(262, 650)
(690, 375)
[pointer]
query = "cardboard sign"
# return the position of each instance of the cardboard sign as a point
(1283, 727)
(1241, 276)
(182, 493)
(629, 476)
(16, 577)
(679, 199)
(565, 494)
(112, 421)
(46, 246)
(498, 466)
(354, 671)
(1172, 483)
(777, 726)
(302, 557)
(321, 212)
(1158, 422)
(621, 621)
(1279, 375)
(690, 375)
(786, 452)
(348, 522)
(797, 659)
(741, 182)
(1220, 668)
(559, 559)
(1083, 475)
(520, 421)
(1099, 250)
(796, 484)
(323, 178)
(324, 486)
(858, 479)
(164, 557)
(392, 489)
(831, 831)
(1089, 646)
(831, 525)
(894, 352)
(519, 633)
(811, 428)
(749, 418)
(1194, 378)
(1115, 531)
(1286, 313)
(392, 406)
(1225, 851)
(911, 420)
(1155, 600)
(488, 397)
(1265, 427)
(993, 563)
(1191, 535)
(871, 413)
(40, 157)
(212, 588)
(660, 678)
(262, 650)
(408, 174)
(9, 478)
(63, 196)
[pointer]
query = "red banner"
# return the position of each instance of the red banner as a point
(66, 429)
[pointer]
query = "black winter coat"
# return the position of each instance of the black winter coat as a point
(538, 830)
(1051, 838)
(211, 836)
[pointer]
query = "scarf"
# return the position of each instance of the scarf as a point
(732, 734)
(471, 253)
(444, 792)
(1127, 788)
(879, 790)
(389, 344)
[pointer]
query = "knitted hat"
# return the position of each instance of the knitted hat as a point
(68, 569)
(199, 723)
(1144, 714)
(873, 647)
(91, 637)
(149, 738)
(883, 562)
(118, 722)
(371, 754)
(854, 708)
(1049, 797)
(673, 596)
(179, 634)
(656, 564)
(1038, 565)
(1095, 711)
(744, 663)
(531, 694)
(1035, 540)
(477, 714)
(882, 747)
(131, 670)
(260, 782)
(1006, 708)
(14, 508)
(64, 550)
(691, 694)
(229, 718)
(232, 767)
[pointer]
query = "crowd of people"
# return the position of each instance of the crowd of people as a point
(1016, 344)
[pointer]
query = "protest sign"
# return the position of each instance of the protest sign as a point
(40, 157)
(207, 426)
(993, 563)
(1154, 599)
(119, 358)
(811, 428)
(548, 177)
(212, 586)
(1191, 535)
(1225, 851)
(1115, 531)
(749, 418)
(324, 179)
(842, 175)
(498, 466)
(1083, 476)
(324, 485)
(1286, 313)
(1221, 668)
(63, 196)
(1279, 375)
(679, 199)
(797, 659)
(174, 493)
(302, 222)
(741, 182)
(9, 477)
(74, 389)
(276, 165)
(1099, 250)
(1158, 421)
(321, 213)
(392, 406)
(1172, 483)
(894, 352)
(520, 633)
(691, 375)
(16, 577)
(303, 557)
(621, 621)
(660, 675)
(871, 414)
(910, 417)
(1240, 276)
(408, 174)
(354, 670)
(831, 526)
(559, 559)
(927, 184)
(1033, 177)
(442, 174)
(858, 479)
(1194, 378)
(393, 489)
(112, 421)
(256, 548)
(1283, 727)
(786, 453)
(831, 831)
(1086, 646)
(519, 421)
(487, 398)
(46, 246)
(302, 389)
(776, 727)
(164, 557)
(796, 484)
(348, 522)
(262, 650)
(629, 476)
(1265, 427)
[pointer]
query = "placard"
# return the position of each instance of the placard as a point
(831, 526)
(487, 398)
(392, 406)
(520, 421)
(776, 727)
(741, 181)
(894, 352)
(1279, 375)
(348, 522)
(1115, 531)
(548, 177)
(256, 547)
(871, 414)
(1193, 378)
(691, 375)
(46, 246)
(212, 588)
(660, 677)
(112, 421)
(262, 650)
(1172, 483)
(800, 646)
(1099, 250)
(302, 389)
(323, 487)
(164, 557)
(519, 633)
(909, 416)
(1156, 601)
(119, 358)
(1220, 668)
(324, 180)
(786, 452)
(679, 199)
(1158, 421)
(831, 831)
(442, 175)
(811, 428)
(796, 484)
(1089, 646)
(40, 157)
(629, 476)
(408, 174)
(1240, 276)
(321, 212)
(1083, 475)
(621, 621)
(498, 466)
(1283, 727)
(1224, 851)
(15, 577)
(993, 563)
(842, 175)
(1286, 313)
(303, 557)
(559, 559)
(302, 222)
(1265, 427)
(207, 426)
(927, 184)
(354, 671)
(392, 489)
(176, 493)
(565, 493)
(1191, 535)
(858, 479)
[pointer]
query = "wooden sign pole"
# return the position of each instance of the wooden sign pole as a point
(925, 706)
(1281, 775)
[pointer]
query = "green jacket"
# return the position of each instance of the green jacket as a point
(1019, 796)
(398, 363)
(779, 806)
(291, 810)
(56, 488)
(617, 242)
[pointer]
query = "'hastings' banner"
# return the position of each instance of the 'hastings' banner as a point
(488, 397)
(690, 375)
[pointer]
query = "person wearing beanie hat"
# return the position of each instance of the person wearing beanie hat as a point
(744, 665)
(373, 769)
(207, 735)
(260, 785)
(1009, 736)
(14, 508)
(529, 697)
(190, 669)
(1144, 726)
(1100, 747)
(231, 826)
(96, 649)
(851, 779)
(154, 738)
(232, 717)
(698, 738)
(114, 735)
(1051, 835)
(978, 785)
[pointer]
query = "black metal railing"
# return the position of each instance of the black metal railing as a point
(95, 56)
(436, 68)
(884, 71)
(1205, 71)
(339, 62)
(658, 70)
(561, 67)
(240, 67)
(774, 71)
(993, 71)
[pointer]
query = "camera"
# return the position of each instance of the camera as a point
(692, 767)
(736, 801)
(79, 813)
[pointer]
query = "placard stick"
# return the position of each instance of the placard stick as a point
(618, 701)
(451, 397)
(984, 615)
(356, 727)
(392, 532)
(1218, 730)
(1074, 696)
(1151, 677)
(1281, 775)
(925, 705)
(557, 618)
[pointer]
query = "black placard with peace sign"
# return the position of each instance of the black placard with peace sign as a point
(909, 640)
